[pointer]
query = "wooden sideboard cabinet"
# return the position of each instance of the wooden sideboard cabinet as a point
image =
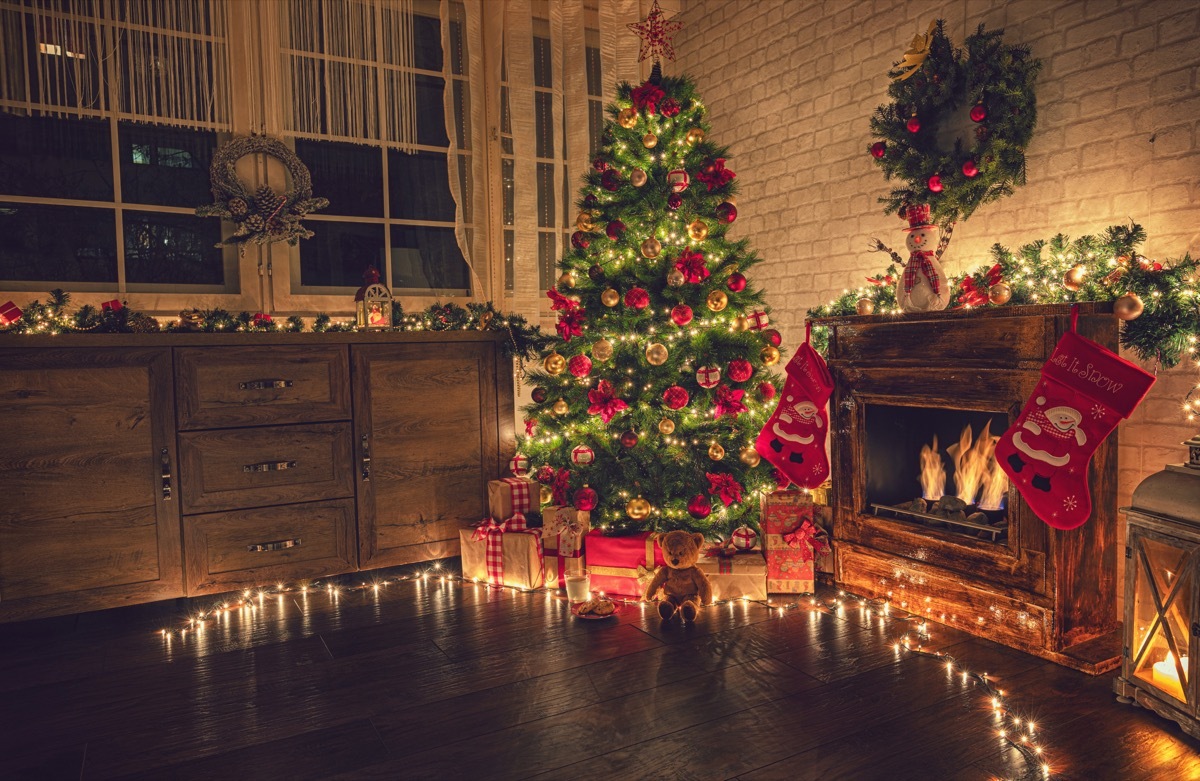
(139, 468)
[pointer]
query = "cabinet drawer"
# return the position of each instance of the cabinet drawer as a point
(221, 387)
(246, 548)
(254, 467)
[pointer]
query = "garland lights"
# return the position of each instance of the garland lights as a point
(1012, 726)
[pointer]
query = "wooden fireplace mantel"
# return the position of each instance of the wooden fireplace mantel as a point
(1048, 592)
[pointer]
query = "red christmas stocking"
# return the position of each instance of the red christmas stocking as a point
(1084, 391)
(793, 439)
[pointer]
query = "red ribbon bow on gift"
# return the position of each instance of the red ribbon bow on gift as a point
(516, 523)
(809, 538)
(603, 403)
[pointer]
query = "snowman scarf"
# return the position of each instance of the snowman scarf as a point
(918, 262)
(793, 439)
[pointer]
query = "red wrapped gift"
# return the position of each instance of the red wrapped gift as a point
(503, 554)
(791, 541)
(623, 566)
(510, 495)
(112, 306)
(9, 313)
(562, 542)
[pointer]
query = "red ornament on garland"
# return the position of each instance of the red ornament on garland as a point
(579, 240)
(726, 212)
(586, 499)
(913, 124)
(699, 507)
(675, 397)
(629, 438)
(969, 169)
(978, 112)
(637, 298)
(674, 201)
(935, 183)
(580, 365)
(739, 370)
(614, 229)
(736, 282)
(773, 337)
(878, 149)
(681, 314)
(766, 391)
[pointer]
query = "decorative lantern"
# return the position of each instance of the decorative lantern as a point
(1162, 595)
(373, 303)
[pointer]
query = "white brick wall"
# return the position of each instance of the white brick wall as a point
(791, 85)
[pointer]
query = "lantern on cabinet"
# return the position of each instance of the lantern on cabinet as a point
(1162, 595)
(373, 303)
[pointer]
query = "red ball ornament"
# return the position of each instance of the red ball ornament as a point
(582, 455)
(913, 124)
(681, 314)
(726, 212)
(637, 298)
(674, 201)
(629, 438)
(935, 183)
(611, 180)
(586, 499)
(878, 149)
(739, 370)
(969, 169)
(766, 391)
(669, 107)
(599, 165)
(773, 336)
(614, 229)
(539, 395)
(744, 538)
(579, 240)
(736, 282)
(699, 507)
(675, 397)
(579, 366)
(978, 113)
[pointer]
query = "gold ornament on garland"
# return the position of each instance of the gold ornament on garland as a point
(769, 355)
(695, 136)
(649, 140)
(627, 117)
(602, 350)
(716, 452)
(1128, 307)
(584, 222)
(1073, 279)
(651, 248)
(566, 279)
(656, 354)
(717, 300)
(865, 306)
(698, 230)
(610, 297)
(545, 495)
(750, 456)
(675, 278)
(666, 427)
(554, 364)
(638, 509)
(560, 407)
(999, 294)
(637, 177)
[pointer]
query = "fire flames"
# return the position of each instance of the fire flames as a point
(977, 474)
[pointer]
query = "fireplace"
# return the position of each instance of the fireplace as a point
(967, 551)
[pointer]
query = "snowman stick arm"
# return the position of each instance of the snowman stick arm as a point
(878, 246)
(944, 241)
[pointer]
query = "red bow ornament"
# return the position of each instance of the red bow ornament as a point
(715, 175)
(724, 487)
(809, 538)
(691, 264)
(603, 403)
(646, 97)
(728, 402)
(570, 323)
(561, 302)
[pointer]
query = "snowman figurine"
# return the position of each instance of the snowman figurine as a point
(922, 287)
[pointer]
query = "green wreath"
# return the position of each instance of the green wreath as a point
(264, 216)
(934, 80)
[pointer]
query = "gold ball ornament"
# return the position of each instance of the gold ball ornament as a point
(560, 407)
(999, 294)
(638, 177)
(675, 278)
(698, 230)
(627, 117)
(584, 222)
(651, 248)
(656, 354)
(610, 297)
(695, 136)
(649, 140)
(1128, 307)
(666, 427)
(554, 364)
(865, 306)
(769, 355)
(1073, 279)
(546, 495)
(638, 509)
(602, 350)
(750, 456)
(566, 279)
(717, 300)
(716, 452)
(740, 323)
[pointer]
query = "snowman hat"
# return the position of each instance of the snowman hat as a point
(918, 217)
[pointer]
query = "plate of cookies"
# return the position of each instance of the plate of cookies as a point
(594, 609)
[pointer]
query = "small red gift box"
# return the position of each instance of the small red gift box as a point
(9, 313)
(791, 541)
(623, 566)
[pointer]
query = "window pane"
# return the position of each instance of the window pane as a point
(165, 166)
(547, 261)
(457, 42)
(431, 114)
(462, 113)
(544, 123)
(509, 254)
(339, 253)
(542, 72)
(57, 243)
(466, 184)
(427, 42)
(595, 87)
(349, 175)
(506, 173)
(419, 185)
(426, 258)
(172, 249)
(55, 158)
(545, 193)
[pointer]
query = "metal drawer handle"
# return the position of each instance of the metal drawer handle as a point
(366, 459)
(264, 384)
(166, 475)
(269, 466)
(266, 547)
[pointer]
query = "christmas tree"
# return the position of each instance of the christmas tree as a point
(646, 407)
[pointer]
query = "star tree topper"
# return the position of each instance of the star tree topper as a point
(656, 33)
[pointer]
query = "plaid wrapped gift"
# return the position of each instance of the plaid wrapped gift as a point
(9, 313)
(509, 496)
(736, 576)
(503, 554)
(562, 542)
(622, 565)
(791, 541)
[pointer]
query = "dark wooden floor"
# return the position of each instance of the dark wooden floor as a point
(445, 681)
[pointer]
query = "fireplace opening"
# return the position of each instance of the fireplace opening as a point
(936, 468)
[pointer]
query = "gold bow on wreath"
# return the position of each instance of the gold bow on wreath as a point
(914, 58)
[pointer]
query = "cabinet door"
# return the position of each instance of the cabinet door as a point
(85, 520)
(426, 417)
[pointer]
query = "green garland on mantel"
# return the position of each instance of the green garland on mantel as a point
(524, 342)
(1106, 267)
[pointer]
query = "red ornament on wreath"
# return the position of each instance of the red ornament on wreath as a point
(579, 240)
(744, 538)
(586, 499)
(579, 366)
(674, 201)
(739, 370)
(678, 179)
(773, 336)
(935, 183)
(913, 124)
(708, 376)
(726, 212)
(978, 112)
(637, 298)
(736, 282)
(970, 169)
(878, 149)
(614, 229)
(675, 397)
(582, 455)
(699, 507)
(681, 314)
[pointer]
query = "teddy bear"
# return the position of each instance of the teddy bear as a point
(684, 585)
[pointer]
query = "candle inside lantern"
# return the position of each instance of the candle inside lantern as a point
(1166, 676)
